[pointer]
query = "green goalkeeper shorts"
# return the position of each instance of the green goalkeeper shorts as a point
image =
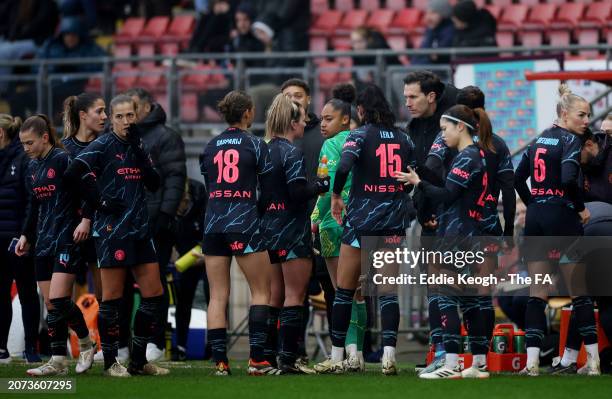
(330, 242)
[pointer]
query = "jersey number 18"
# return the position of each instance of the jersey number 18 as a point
(227, 164)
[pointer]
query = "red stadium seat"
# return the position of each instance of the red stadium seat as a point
(505, 39)
(153, 79)
(559, 37)
(568, 16)
(146, 50)
(169, 49)
(318, 44)
(420, 4)
(608, 35)
(130, 30)
(125, 77)
(380, 20)
(122, 51)
(317, 7)
(345, 5)
(369, 5)
(407, 20)
(495, 11)
(587, 37)
(395, 5)
(540, 17)
(513, 17)
(326, 23)
(597, 15)
(189, 107)
(502, 3)
(329, 74)
(532, 38)
(154, 29)
(180, 30)
(352, 19)
(399, 43)
(341, 43)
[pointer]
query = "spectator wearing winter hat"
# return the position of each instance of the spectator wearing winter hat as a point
(474, 27)
(439, 33)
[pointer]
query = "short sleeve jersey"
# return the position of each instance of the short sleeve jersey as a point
(377, 202)
(467, 179)
(231, 165)
(545, 159)
(57, 210)
(285, 222)
(118, 176)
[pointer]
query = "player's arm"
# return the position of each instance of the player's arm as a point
(570, 171)
(520, 179)
(150, 176)
(350, 153)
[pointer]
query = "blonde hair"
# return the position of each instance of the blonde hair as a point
(279, 116)
(567, 99)
(10, 124)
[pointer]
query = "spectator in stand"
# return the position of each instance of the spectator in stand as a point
(243, 39)
(24, 28)
(283, 26)
(212, 32)
(474, 27)
(439, 33)
(85, 10)
(606, 125)
(368, 39)
(72, 42)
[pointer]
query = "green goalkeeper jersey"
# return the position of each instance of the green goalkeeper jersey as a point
(332, 148)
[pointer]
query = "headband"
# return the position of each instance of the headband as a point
(452, 118)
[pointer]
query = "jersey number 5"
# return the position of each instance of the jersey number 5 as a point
(227, 164)
(539, 166)
(390, 162)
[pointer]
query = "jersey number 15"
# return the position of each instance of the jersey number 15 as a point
(390, 162)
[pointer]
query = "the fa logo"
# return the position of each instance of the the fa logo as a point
(64, 259)
(13, 167)
(51, 173)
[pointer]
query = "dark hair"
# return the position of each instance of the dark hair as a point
(343, 95)
(479, 121)
(376, 108)
(120, 99)
(72, 106)
(10, 124)
(234, 105)
(427, 80)
(40, 124)
(296, 82)
(141, 93)
(472, 97)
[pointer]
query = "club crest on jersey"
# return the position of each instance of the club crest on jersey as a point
(13, 167)
(51, 173)
(120, 255)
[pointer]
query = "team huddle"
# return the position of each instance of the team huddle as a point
(273, 205)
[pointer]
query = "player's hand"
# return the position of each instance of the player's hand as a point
(112, 206)
(410, 177)
(432, 223)
(82, 230)
(22, 247)
(322, 184)
(337, 208)
(134, 136)
(585, 216)
(199, 257)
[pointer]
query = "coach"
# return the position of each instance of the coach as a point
(167, 151)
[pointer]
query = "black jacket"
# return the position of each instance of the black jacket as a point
(190, 226)
(423, 131)
(13, 191)
(167, 151)
(596, 176)
(480, 32)
(311, 145)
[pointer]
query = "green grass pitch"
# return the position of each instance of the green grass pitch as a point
(194, 380)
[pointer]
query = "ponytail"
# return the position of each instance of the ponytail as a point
(72, 106)
(10, 124)
(40, 124)
(485, 130)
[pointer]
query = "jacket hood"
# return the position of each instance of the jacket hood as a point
(157, 116)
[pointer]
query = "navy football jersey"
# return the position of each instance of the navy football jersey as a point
(118, 175)
(467, 182)
(56, 208)
(377, 201)
(285, 222)
(497, 162)
(554, 153)
(74, 146)
(231, 164)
